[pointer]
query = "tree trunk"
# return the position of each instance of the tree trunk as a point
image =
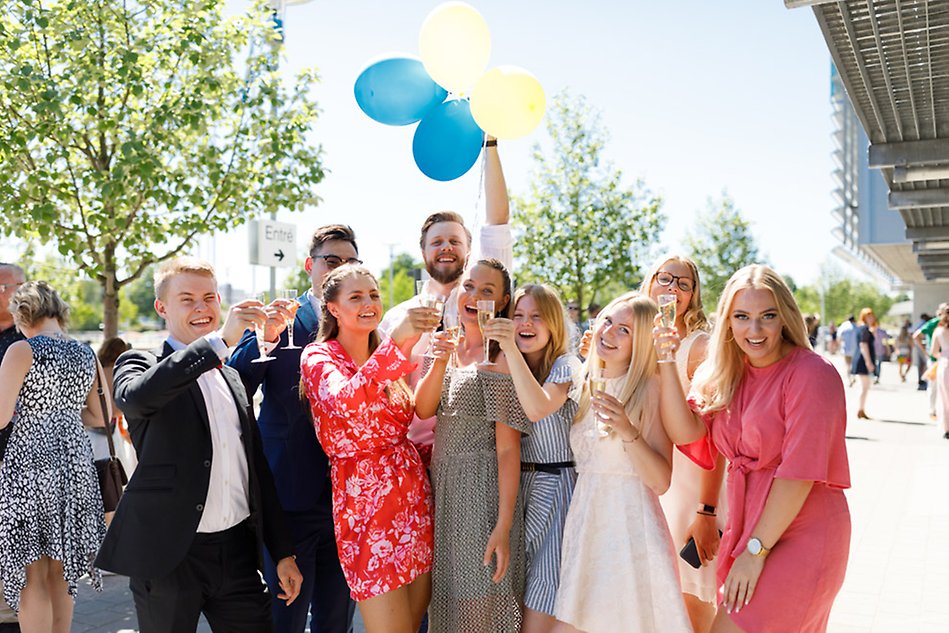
(110, 305)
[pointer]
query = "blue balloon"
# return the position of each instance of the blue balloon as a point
(397, 91)
(447, 142)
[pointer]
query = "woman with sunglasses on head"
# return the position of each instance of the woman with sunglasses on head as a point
(476, 467)
(546, 376)
(777, 412)
(692, 504)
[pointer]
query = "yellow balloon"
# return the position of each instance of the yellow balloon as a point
(508, 102)
(455, 45)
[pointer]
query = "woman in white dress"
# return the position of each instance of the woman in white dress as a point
(693, 505)
(939, 349)
(618, 568)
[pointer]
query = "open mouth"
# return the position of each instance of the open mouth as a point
(200, 322)
(446, 259)
(756, 342)
(527, 335)
(603, 344)
(368, 314)
(473, 310)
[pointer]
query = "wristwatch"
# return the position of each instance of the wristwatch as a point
(755, 548)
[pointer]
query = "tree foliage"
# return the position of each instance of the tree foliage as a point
(580, 228)
(127, 129)
(721, 243)
(404, 268)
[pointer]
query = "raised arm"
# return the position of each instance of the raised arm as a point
(498, 210)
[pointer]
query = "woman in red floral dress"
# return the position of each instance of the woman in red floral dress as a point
(382, 501)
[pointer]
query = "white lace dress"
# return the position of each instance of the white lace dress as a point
(618, 570)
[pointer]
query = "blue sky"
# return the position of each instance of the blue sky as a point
(698, 96)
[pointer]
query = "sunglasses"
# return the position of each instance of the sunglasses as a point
(685, 284)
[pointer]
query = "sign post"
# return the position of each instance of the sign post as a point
(272, 244)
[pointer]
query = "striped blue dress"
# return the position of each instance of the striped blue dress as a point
(547, 496)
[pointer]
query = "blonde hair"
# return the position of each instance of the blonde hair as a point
(35, 301)
(718, 377)
(694, 317)
(552, 314)
(168, 269)
(329, 325)
(866, 312)
(642, 362)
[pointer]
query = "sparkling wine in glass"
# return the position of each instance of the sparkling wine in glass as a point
(485, 314)
(667, 316)
(290, 294)
(438, 303)
(452, 324)
(597, 385)
(260, 332)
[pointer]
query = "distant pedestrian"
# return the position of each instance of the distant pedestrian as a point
(940, 350)
(847, 334)
(865, 358)
(923, 339)
(919, 349)
(904, 350)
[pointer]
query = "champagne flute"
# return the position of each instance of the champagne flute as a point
(667, 317)
(452, 324)
(437, 302)
(259, 331)
(485, 314)
(598, 385)
(290, 294)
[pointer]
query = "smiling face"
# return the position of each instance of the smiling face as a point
(480, 284)
(328, 256)
(446, 251)
(756, 325)
(357, 306)
(682, 277)
(530, 330)
(190, 306)
(613, 337)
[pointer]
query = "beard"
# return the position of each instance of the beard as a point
(443, 274)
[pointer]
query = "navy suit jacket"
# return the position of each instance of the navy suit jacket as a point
(299, 465)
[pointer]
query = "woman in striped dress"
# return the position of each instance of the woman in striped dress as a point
(545, 377)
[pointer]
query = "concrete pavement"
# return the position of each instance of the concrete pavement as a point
(898, 574)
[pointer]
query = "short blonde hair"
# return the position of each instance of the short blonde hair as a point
(168, 269)
(35, 301)
(717, 379)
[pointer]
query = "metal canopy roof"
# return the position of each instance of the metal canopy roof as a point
(893, 58)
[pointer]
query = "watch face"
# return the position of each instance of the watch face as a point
(754, 546)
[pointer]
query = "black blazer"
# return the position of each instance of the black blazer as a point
(156, 520)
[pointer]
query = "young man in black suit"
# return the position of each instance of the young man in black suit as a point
(201, 503)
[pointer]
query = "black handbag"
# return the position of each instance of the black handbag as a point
(112, 477)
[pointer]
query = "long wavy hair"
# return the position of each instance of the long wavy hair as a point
(717, 379)
(642, 362)
(552, 314)
(494, 348)
(694, 317)
(397, 391)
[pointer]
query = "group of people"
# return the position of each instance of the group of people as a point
(452, 465)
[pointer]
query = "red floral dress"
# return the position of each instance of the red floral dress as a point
(382, 500)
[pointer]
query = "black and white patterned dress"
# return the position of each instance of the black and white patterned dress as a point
(50, 503)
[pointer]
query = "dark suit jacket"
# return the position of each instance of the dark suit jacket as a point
(298, 463)
(156, 521)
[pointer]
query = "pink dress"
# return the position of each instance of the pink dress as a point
(382, 501)
(787, 421)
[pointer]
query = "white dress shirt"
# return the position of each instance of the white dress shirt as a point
(226, 504)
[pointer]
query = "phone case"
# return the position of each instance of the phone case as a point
(690, 554)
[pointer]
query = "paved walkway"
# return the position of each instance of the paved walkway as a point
(898, 577)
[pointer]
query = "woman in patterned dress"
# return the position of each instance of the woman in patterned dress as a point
(361, 405)
(546, 377)
(476, 472)
(51, 517)
(693, 504)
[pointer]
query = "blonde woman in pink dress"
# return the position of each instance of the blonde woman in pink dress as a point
(776, 411)
(694, 504)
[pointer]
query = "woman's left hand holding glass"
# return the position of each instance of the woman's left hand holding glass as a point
(612, 413)
(443, 346)
(501, 330)
(742, 580)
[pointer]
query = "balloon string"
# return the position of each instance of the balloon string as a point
(476, 225)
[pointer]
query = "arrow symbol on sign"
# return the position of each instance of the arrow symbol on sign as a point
(279, 255)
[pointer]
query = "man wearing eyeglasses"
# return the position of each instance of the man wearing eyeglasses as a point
(11, 278)
(299, 465)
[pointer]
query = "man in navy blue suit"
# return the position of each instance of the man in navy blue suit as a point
(300, 467)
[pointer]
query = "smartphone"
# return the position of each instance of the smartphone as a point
(690, 554)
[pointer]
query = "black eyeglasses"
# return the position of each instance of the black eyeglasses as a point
(5, 287)
(685, 284)
(334, 261)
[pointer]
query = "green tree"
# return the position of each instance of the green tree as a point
(580, 228)
(842, 298)
(127, 129)
(721, 243)
(403, 281)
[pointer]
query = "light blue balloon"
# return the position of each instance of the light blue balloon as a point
(397, 91)
(447, 142)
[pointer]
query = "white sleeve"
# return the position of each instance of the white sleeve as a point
(497, 242)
